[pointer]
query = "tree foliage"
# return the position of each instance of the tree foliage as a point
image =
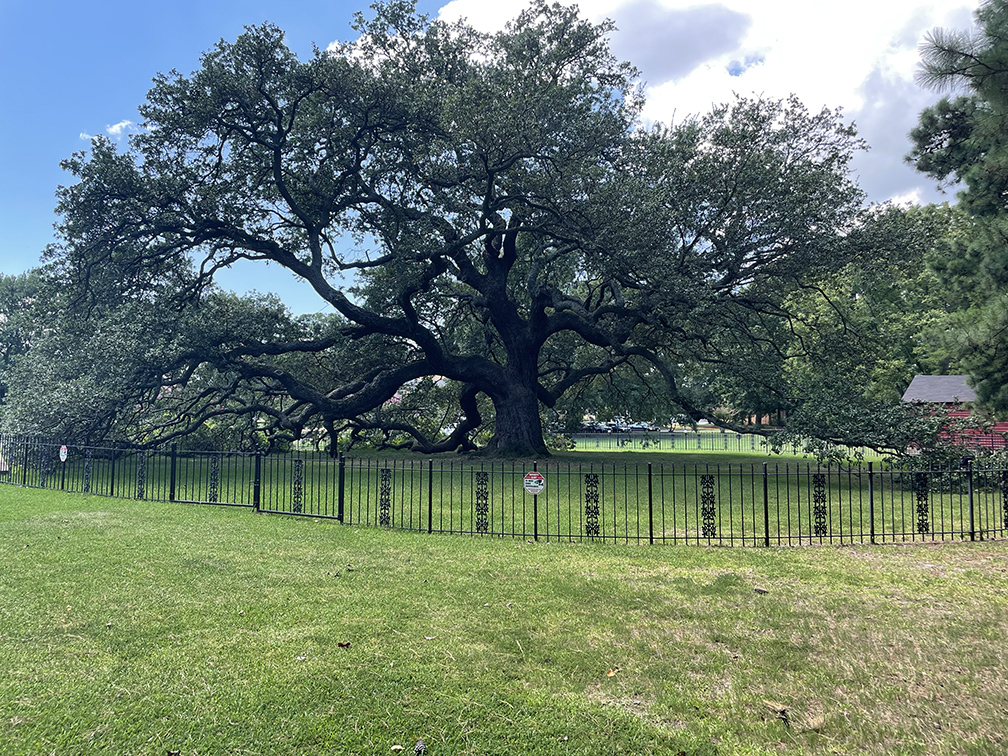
(496, 231)
(18, 328)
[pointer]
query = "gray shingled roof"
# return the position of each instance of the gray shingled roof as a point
(939, 389)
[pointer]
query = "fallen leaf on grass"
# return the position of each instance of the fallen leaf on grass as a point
(612, 672)
(780, 710)
(342, 644)
(761, 591)
(817, 723)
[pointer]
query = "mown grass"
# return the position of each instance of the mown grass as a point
(135, 627)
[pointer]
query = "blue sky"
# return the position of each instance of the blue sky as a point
(75, 69)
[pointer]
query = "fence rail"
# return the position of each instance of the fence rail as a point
(722, 504)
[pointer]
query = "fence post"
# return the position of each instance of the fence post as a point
(969, 483)
(63, 466)
(257, 482)
(871, 501)
(341, 481)
(766, 507)
(535, 509)
(650, 506)
(171, 472)
(430, 495)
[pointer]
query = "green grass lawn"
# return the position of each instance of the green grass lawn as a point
(146, 628)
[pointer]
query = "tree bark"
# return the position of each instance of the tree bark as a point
(518, 425)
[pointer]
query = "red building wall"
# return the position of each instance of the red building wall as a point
(990, 437)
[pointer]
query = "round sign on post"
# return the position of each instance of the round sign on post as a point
(535, 483)
(63, 453)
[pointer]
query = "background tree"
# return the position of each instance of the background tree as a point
(18, 328)
(964, 140)
(100, 377)
(859, 334)
(483, 212)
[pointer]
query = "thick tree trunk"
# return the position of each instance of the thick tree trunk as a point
(519, 428)
(514, 392)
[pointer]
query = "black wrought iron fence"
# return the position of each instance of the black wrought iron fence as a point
(663, 503)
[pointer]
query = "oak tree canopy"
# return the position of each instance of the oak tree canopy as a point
(493, 224)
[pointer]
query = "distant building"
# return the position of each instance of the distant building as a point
(939, 389)
(953, 393)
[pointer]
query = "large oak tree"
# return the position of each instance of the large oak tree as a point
(483, 212)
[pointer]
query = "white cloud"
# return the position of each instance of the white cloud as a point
(666, 43)
(119, 129)
(859, 56)
(85, 136)
(910, 198)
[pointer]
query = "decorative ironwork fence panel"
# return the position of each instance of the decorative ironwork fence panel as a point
(141, 475)
(922, 494)
(708, 506)
(592, 529)
(385, 508)
(819, 527)
(482, 503)
(213, 480)
(297, 486)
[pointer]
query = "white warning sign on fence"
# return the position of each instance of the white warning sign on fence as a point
(535, 483)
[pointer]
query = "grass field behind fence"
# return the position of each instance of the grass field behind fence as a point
(156, 628)
(707, 440)
(723, 499)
